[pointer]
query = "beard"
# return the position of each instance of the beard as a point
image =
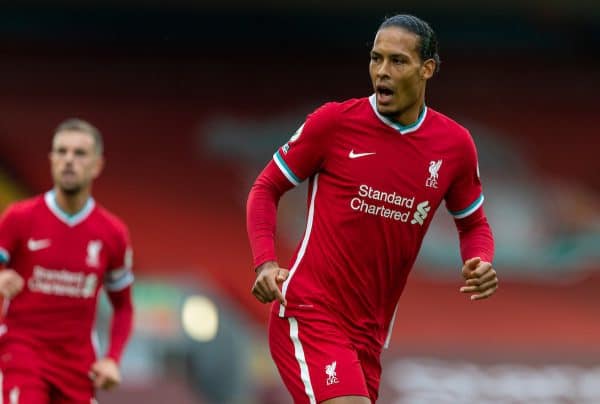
(70, 190)
(391, 114)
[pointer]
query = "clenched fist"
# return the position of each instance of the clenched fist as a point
(11, 283)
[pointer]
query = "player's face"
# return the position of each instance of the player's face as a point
(74, 161)
(397, 72)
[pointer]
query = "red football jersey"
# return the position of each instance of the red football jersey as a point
(374, 186)
(64, 260)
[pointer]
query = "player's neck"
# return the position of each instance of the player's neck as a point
(71, 203)
(410, 116)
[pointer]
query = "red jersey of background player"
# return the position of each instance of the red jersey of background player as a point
(64, 260)
(374, 187)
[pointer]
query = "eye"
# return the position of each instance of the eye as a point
(397, 61)
(80, 152)
(375, 58)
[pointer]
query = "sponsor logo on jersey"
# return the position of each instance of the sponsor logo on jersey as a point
(434, 168)
(93, 253)
(389, 205)
(353, 155)
(36, 245)
(331, 375)
(62, 282)
(364, 202)
(421, 213)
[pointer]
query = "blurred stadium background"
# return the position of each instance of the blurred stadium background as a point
(193, 97)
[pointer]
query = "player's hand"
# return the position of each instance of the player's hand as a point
(11, 283)
(480, 278)
(268, 278)
(105, 373)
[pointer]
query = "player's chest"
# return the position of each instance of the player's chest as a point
(408, 165)
(61, 247)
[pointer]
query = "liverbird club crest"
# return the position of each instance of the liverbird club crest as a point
(434, 167)
(331, 375)
(93, 253)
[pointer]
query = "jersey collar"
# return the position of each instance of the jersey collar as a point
(404, 130)
(69, 219)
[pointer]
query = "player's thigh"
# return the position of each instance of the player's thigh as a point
(21, 376)
(25, 395)
(21, 387)
(67, 371)
(315, 359)
(370, 360)
(348, 400)
(73, 397)
(71, 387)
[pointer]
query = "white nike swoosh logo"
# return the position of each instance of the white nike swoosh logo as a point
(35, 245)
(353, 155)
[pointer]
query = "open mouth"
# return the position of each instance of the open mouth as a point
(384, 90)
(384, 94)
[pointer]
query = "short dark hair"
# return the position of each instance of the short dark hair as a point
(79, 125)
(428, 43)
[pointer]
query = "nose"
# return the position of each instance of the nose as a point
(383, 69)
(69, 157)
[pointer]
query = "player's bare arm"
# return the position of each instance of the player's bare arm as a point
(269, 277)
(11, 283)
(481, 279)
(105, 373)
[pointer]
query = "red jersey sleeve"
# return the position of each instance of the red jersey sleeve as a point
(261, 212)
(9, 233)
(465, 195)
(120, 274)
(117, 282)
(464, 200)
(303, 155)
(122, 322)
(475, 236)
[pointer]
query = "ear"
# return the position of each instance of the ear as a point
(100, 162)
(427, 69)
